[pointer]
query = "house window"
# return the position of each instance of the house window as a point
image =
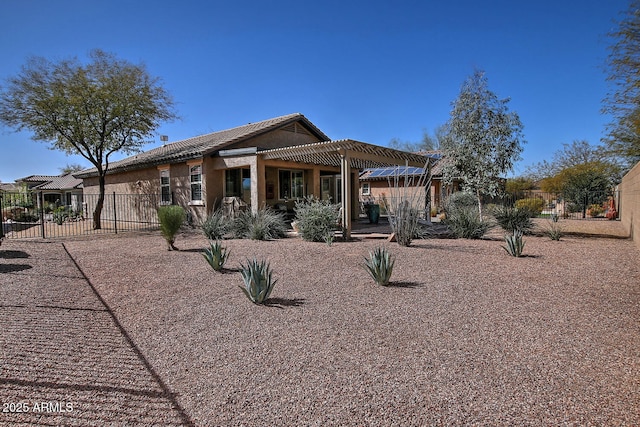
(165, 187)
(366, 189)
(291, 183)
(195, 177)
(237, 183)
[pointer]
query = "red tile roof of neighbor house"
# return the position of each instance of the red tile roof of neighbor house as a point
(199, 146)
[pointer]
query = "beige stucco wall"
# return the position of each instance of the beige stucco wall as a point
(137, 192)
(630, 203)
(379, 190)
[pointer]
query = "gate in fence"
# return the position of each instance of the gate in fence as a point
(27, 214)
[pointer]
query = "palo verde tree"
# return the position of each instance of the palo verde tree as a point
(92, 110)
(623, 103)
(483, 139)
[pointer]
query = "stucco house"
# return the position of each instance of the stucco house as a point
(272, 162)
(376, 184)
(56, 190)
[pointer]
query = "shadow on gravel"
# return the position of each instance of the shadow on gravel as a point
(13, 268)
(71, 361)
(14, 254)
(408, 285)
(284, 302)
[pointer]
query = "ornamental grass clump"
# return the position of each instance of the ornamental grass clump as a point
(513, 219)
(264, 224)
(216, 255)
(171, 219)
(216, 226)
(515, 244)
(554, 230)
(463, 218)
(380, 265)
(258, 280)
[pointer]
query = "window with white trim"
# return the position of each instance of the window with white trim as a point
(195, 178)
(165, 187)
(366, 189)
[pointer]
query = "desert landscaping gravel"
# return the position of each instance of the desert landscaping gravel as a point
(120, 331)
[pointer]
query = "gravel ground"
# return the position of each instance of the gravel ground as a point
(466, 335)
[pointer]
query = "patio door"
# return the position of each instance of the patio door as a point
(326, 188)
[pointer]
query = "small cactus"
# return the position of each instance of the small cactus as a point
(515, 244)
(380, 265)
(258, 280)
(216, 255)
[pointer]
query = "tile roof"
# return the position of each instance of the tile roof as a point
(52, 182)
(63, 182)
(204, 144)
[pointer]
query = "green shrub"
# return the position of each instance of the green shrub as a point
(513, 219)
(515, 244)
(460, 200)
(265, 224)
(258, 280)
(595, 210)
(380, 265)
(216, 255)
(465, 223)
(533, 205)
(316, 219)
(60, 215)
(462, 216)
(216, 226)
(171, 219)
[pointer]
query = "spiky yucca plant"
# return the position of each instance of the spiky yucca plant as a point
(380, 265)
(515, 244)
(554, 230)
(258, 280)
(216, 255)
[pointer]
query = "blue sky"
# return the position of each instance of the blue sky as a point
(365, 70)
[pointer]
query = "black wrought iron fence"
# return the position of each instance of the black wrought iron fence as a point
(26, 214)
(577, 205)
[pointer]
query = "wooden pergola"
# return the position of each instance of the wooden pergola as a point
(347, 155)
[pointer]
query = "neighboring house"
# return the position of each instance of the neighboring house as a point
(8, 187)
(58, 190)
(273, 162)
(376, 184)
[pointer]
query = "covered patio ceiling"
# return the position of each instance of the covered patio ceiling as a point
(346, 154)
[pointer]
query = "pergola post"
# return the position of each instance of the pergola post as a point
(345, 175)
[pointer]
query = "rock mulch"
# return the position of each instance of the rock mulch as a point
(465, 335)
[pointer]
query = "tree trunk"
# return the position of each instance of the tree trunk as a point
(97, 213)
(479, 204)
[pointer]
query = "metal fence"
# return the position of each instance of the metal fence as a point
(578, 205)
(26, 214)
(585, 205)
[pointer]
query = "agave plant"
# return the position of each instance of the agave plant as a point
(380, 265)
(216, 255)
(515, 244)
(258, 280)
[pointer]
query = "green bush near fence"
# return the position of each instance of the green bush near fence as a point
(533, 205)
(171, 219)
